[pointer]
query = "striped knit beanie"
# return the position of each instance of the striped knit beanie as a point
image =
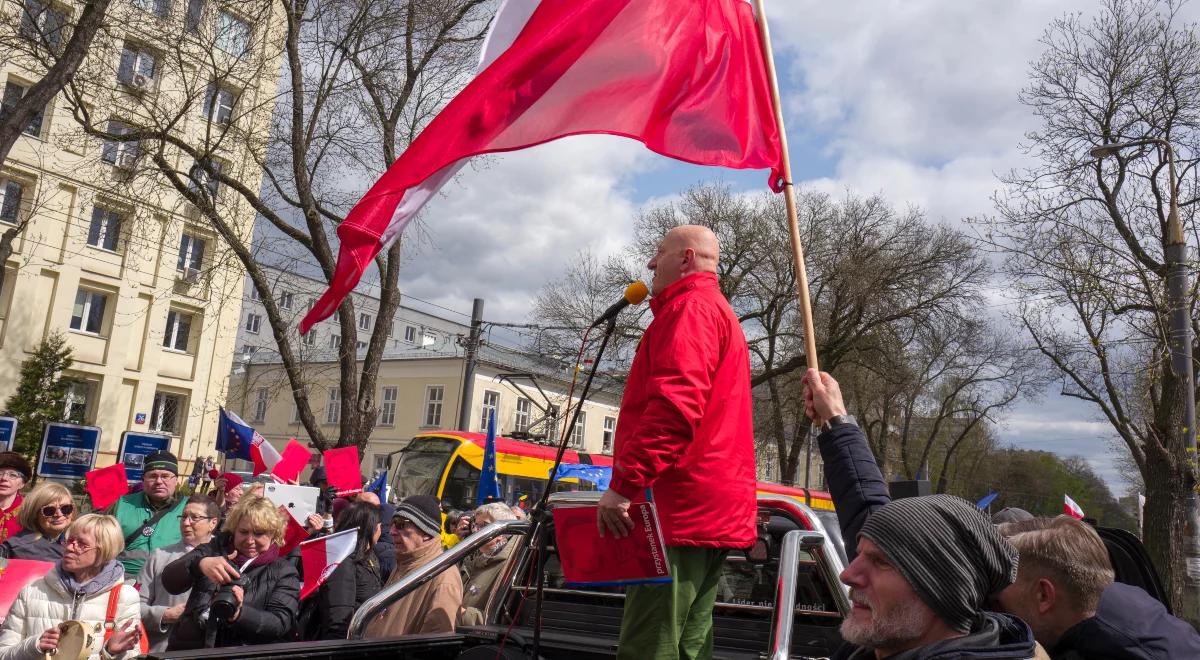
(422, 511)
(948, 551)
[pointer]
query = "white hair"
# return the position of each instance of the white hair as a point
(496, 511)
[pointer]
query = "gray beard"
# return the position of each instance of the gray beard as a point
(895, 626)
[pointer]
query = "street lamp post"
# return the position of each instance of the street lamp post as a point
(1180, 333)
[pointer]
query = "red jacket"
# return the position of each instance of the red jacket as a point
(685, 430)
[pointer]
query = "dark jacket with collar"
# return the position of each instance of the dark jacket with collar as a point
(1130, 624)
(354, 580)
(31, 545)
(858, 489)
(269, 608)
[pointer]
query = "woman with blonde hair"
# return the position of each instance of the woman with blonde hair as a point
(45, 516)
(87, 585)
(242, 594)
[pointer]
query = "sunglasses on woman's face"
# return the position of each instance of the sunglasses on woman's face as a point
(51, 511)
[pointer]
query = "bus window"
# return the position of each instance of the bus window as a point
(421, 466)
(462, 486)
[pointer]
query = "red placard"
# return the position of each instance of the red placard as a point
(589, 560)
(15, 575)
(341, 470)
(291, 463)
(106, 485)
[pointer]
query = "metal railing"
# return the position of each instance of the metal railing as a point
(405, 585)
(785, 600)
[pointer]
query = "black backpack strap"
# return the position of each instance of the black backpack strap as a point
(150, 522)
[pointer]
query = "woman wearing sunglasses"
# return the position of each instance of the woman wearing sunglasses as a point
(45, 516)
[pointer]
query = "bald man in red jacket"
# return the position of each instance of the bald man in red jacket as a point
(685, 439)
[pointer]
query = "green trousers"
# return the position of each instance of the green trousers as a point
(673, 621)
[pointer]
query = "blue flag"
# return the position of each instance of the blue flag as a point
(379, 486)
(597, 474)
(987, 500)
(489, 485)
(234, 437)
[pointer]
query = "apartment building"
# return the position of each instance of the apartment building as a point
(113, 256)
(420, 380)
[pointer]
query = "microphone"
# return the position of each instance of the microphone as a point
(634, 295)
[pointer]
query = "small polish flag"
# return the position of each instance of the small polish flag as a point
(1072, 509)
(265, 456)
(294, 534)
(321, 556)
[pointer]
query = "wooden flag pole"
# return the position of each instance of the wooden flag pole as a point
(810, 339)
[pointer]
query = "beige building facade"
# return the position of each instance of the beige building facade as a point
(112, 257)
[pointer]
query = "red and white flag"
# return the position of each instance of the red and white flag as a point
(687, 79)
(294, 532)
(1072, 509)
(321, 556)
(263, 455)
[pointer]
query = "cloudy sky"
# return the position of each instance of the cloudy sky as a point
(913, 99)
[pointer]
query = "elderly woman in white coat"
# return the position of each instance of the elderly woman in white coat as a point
(160, 610)
(80, 588)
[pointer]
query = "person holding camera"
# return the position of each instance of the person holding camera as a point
(86, 585)
(241, 593)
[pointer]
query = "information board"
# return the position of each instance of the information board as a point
(134, 449)
(8, 433)
(68, 450)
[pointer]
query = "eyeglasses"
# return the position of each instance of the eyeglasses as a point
(195, 519)
(83, 549)
(159, 477)
(11, 474)
(401, 523)
(52, 511)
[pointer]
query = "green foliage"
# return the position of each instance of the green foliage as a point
(1037, 480)
(42, 393)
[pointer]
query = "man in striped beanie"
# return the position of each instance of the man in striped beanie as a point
(921, 569)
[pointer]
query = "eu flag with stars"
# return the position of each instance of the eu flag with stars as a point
(234, 436)
(489, 485)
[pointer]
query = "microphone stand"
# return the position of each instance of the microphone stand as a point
(539, 515)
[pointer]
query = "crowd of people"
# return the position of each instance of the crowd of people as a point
(207, 570)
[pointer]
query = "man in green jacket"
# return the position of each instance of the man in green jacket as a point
(150, 519)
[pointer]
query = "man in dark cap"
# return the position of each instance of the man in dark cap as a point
(15, 472)
(920, 568)
(150, 518)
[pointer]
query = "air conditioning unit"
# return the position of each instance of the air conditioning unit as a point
(140, 83)
(191, 275)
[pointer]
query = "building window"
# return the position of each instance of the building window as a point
(254, 294)
(137, 67)
(610, 429)
(10, 201)
(191, 252)
(309, 305)
(380, 462)
(491, 401)
(576, 440)
(167, 414)
(253, 322)
(360, 345)
(160, 8)
(428, 339)
(233, 34)
(521, 419)
(387, 407)
(13, 92)
(121, 153)
(218, 104)
(335, 342)
(77, 404)
(295, 414)
(105, 229)
(285, 300)
(88, 314)
(206, 176)
(260, 404)
(364, 321)
(333, 411)
(43, 24)
(410, 334)
(194, 16)
(179, 327)
(248, 352)
(309, 340)
(434, 394)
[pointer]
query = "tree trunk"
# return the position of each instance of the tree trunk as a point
(1167, 484)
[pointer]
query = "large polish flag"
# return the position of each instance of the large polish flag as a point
(687, 79)
(264, 455)
(1070, 508)
(321, 556)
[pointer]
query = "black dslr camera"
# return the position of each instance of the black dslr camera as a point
(224, 605)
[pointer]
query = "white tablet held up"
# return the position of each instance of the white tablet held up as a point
(300, 501)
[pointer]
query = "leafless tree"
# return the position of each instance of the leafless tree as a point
(1085, 238)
